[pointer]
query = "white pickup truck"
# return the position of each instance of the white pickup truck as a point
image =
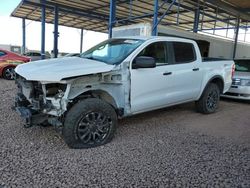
(84, 96)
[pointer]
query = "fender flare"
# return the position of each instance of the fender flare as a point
(216, 77)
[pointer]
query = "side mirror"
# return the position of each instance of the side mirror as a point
(143, 62)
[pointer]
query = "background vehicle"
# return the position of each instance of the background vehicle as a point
(72, 55)
(34, 55)
(6, 55)
(11, 48)
(8, 62)
(7, 69)
(210, 46)
(84, 96)
(240, 88)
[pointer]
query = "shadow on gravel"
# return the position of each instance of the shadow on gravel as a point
(239, 101)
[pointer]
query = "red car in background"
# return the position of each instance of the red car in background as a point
(8, 62)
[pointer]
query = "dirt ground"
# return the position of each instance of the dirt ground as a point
(172, 147)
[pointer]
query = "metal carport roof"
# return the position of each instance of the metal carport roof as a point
(94, 14)
(103, 15)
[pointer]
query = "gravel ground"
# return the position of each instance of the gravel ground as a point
(173, 147)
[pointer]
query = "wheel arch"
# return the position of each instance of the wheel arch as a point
(218, 80)
(101, 94)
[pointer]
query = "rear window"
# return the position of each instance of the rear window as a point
(183, 52)
(242, 65)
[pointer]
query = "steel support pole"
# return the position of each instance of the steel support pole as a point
(81, 41)
(196, 20)
(112, 15)
(155, 20)
(245, 34)
(236, 37)
(43, 31)
(24, 36)
(56, 34)
(215, 22)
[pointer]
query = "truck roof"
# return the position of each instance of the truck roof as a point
(156, 37)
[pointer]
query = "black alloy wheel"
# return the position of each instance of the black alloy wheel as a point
(89, 123)
(209, 100)
(9, 73)
(93, 128)
(212, 100)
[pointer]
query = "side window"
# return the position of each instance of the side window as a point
(2, 53)
(156, 50)
(36, 54)
(183, 52)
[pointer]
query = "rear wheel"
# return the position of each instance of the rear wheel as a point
(9, 73)
(209, 101)
(89, 123)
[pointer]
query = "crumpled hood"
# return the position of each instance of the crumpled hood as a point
(57, 69)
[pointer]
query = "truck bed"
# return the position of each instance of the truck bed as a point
(205, 59)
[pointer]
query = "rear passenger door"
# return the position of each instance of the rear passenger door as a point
(184, 82)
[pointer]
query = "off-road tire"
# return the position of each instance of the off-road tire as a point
(77, 121)
(209, 101)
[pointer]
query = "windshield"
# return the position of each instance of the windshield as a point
(112, 51)
(242, 65)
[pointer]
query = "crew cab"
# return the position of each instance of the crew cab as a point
(84, 96)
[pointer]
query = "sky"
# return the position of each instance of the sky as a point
(69, 38)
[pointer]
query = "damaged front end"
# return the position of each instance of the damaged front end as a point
(40, 102)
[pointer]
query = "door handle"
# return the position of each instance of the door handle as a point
(196, 69)
(167, 73)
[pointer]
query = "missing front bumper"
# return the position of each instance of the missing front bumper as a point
(25, 110)
(30, 117)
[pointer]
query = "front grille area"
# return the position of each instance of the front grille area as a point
(236, 82)
(31, 91)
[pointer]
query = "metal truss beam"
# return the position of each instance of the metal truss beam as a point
(230, 9)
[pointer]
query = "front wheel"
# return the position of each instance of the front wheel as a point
(89, 123)
(209, 101)
(9, 73)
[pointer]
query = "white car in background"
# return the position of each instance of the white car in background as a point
(240, 88)
(73, 55)
(35, 55)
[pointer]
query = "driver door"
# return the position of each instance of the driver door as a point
(149, 85)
